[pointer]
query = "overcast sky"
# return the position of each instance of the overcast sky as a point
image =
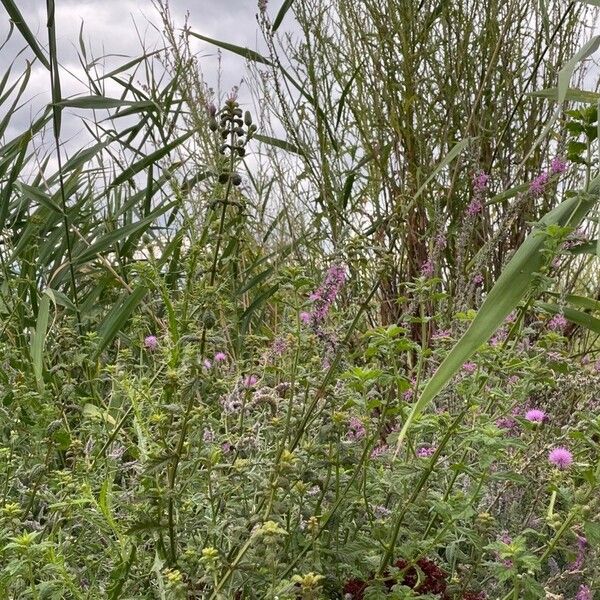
(109, 27)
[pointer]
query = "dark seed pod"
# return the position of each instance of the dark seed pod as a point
(224, 134)
(237, 112)
(223, 177)
(223, 148)
(240, 142)
(241, 152)
(240, 131)
(212, 124)
(247, 118)
(238, 122)
(236, 179)
(208, 319)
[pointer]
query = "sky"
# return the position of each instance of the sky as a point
(120, 28)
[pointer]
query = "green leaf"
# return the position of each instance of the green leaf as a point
(575, 316)
(279, 18)
(117, 317)
(107, 241)
(506, 294)
(239, 50)
(17, 18)
(38, 340)
(150, 159)
(100, 102)
(278, 143)
(572, 95)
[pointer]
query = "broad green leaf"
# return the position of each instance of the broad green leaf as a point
(506, 294)
(580, 301)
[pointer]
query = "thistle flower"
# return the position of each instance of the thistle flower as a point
(151, 342)
(560, 457)
(478, 279)
(220, 357)
(250, 381)
(207, 364)
(535, 415)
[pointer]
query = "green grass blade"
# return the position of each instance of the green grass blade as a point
(117, 317)
(38, 340)
(17, 18)
(281, 14)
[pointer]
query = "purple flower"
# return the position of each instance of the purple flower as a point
(560, 457)
(425, 451)
(584, 593)
(250, 381)
(356, 430)
(381, 512)
(220, 357)
(557, 323)
(597, 366)
(440, 241)
(475, 207)
(538, 186)
(582, 544)
(469, 367)
(207, 364)
(513, 379)
(481, 181)
(208, 436)
(305, 317)
(427, 268)
(279, 346)
(379, 451)
(441, 334)
(558, 165)
(535, 415)
(151, 342)
(478, 279)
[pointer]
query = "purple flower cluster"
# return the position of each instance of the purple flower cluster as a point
(480, 182)
(427, 268)
(538, 185)
(325, 295)
(557, 323)
(356, 430)
(425, 451)
(584, 593)
(582, 545)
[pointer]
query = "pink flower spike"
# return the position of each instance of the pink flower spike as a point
(561, 458)
(535, 415)
(558, 165)
(151, 342)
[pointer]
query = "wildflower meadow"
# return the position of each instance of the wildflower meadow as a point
(331, 332)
